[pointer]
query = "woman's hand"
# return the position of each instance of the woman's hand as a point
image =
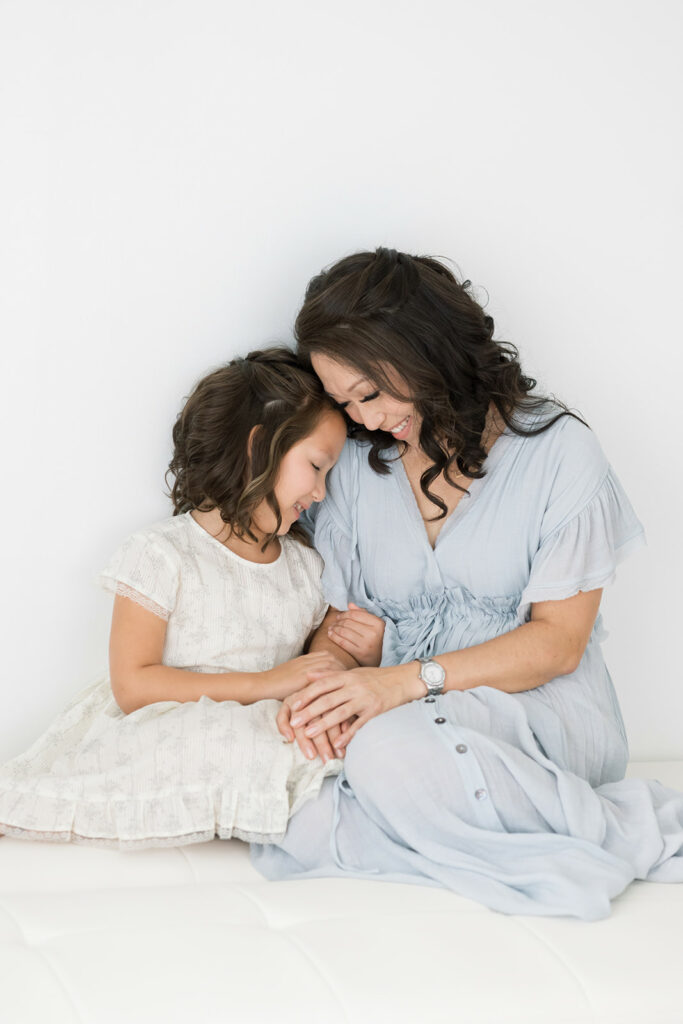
(360, 633)
(347, 700)
(325, 744)
(282, 680)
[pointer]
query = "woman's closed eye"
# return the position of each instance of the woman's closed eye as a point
(368, 398)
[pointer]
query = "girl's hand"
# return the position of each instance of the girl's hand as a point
(360, 633)
(293, 675)
(326, 744)
(352, 698)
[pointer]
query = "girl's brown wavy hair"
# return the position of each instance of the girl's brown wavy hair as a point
(213, 464)
(387, 310)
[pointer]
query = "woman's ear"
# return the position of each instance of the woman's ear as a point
(250, 439)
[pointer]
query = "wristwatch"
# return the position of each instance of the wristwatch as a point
(432, 675)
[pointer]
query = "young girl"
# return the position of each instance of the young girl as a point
(212, 611)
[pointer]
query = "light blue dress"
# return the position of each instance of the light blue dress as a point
(516, 800)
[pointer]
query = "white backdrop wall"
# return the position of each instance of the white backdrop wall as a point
(175, 170)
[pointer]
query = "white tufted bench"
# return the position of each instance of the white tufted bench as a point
(194, 934)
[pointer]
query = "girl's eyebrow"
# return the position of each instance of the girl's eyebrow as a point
(323, 455)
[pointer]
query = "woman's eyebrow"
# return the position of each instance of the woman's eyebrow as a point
(354, 385)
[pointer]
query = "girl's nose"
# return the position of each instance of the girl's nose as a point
(318, 492)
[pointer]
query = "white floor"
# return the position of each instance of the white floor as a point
(194, 934)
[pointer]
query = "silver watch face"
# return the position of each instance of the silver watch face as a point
(432, 673)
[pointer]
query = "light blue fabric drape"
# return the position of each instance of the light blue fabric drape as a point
(513, 799)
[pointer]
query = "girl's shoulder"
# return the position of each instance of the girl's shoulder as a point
(296, 552)
(163, 541)
(169, 533)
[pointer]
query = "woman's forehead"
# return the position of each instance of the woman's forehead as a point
(337, 377)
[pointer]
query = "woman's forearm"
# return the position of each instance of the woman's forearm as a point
(550, 645)
(522, 659)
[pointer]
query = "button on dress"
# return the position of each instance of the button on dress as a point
(516, 800)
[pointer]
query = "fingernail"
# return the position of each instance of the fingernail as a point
(338, 752)
(310, 753)
(325, 757)
(312, 730)
(296, 722)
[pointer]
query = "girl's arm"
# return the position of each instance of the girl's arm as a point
(138, 677)
(550, 645)
(322, 641)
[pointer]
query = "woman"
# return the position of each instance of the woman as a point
(480, 523)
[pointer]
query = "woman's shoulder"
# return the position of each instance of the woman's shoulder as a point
(342, 480)
(563, 435)
(563, 463)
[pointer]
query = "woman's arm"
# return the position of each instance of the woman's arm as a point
(551, 644)
(138, 677)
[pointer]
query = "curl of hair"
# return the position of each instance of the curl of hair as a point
(213, 464)
(394, 317)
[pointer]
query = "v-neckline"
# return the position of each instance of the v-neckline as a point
(498, 447)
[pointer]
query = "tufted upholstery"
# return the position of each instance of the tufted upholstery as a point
(194, 934)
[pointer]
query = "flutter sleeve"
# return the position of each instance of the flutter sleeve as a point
(336, 534)
(145, 569)
(588, 526)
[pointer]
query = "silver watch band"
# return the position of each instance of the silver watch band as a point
(433, 675)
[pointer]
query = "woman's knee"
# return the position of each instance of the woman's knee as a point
(386, 749)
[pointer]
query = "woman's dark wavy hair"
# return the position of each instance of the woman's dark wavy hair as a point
(388, 310)
(211, 463)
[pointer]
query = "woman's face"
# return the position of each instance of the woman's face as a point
(364, 402)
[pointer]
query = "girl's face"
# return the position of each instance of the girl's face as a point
(301, 478)
(364, 402)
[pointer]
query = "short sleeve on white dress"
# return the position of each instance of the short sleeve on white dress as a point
(145, 569)
(588, 527)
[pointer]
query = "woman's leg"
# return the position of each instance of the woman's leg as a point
(481, 811)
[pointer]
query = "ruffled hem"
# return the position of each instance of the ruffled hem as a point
(583, 553)
(148, 843)
(166, 775)
(176, 819)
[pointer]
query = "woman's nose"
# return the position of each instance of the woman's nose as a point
(372, 419)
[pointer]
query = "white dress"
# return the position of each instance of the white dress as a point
(174, 773)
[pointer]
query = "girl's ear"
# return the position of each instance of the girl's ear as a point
(250, 439)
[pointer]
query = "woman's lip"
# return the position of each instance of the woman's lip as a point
(405, 429)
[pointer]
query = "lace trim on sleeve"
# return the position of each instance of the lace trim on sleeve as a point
(117, 587)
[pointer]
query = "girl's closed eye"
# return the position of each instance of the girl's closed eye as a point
(316, 468)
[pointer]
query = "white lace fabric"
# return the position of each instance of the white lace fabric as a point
(123, 590)
(174, 773)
